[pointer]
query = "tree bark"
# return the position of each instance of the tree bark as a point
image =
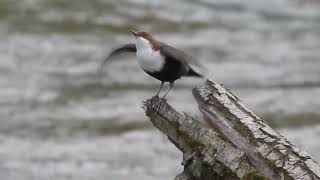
(228, 141)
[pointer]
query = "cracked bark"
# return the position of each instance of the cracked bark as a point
(233, 144)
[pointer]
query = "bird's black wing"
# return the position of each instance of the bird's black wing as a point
(173, 54)
(127, 48)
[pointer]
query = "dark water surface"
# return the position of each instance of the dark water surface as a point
(60, 119)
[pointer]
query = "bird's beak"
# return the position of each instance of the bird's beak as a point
(133, 32)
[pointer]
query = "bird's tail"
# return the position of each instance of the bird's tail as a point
(193, 73)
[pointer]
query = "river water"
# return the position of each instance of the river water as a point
(60, 119)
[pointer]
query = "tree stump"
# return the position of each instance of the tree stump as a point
(229, 141)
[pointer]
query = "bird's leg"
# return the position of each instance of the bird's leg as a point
(170, 87)
(162, 82)
(160, 88)
(164, 96)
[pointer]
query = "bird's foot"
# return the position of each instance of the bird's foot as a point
(161, 100)
(156, 103)
(154, 98)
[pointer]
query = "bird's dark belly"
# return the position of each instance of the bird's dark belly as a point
(170, 72)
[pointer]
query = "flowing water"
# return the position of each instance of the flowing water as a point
(60, 119)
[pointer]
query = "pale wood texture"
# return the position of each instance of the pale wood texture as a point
(233, 144)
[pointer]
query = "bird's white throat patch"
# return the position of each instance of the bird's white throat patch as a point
(148, 59)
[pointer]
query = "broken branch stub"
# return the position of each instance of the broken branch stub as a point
(234, 144)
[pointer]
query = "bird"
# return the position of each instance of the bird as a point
(159, 60)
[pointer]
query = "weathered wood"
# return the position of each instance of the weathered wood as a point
(233, 144)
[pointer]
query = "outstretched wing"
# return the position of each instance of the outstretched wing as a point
(127, 48)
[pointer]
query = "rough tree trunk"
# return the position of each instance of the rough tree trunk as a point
(229, 141)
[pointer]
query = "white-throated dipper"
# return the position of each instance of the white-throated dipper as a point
(158, 59)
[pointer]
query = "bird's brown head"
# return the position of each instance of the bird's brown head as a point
(141, 36)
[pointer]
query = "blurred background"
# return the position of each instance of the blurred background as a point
(60, 119)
